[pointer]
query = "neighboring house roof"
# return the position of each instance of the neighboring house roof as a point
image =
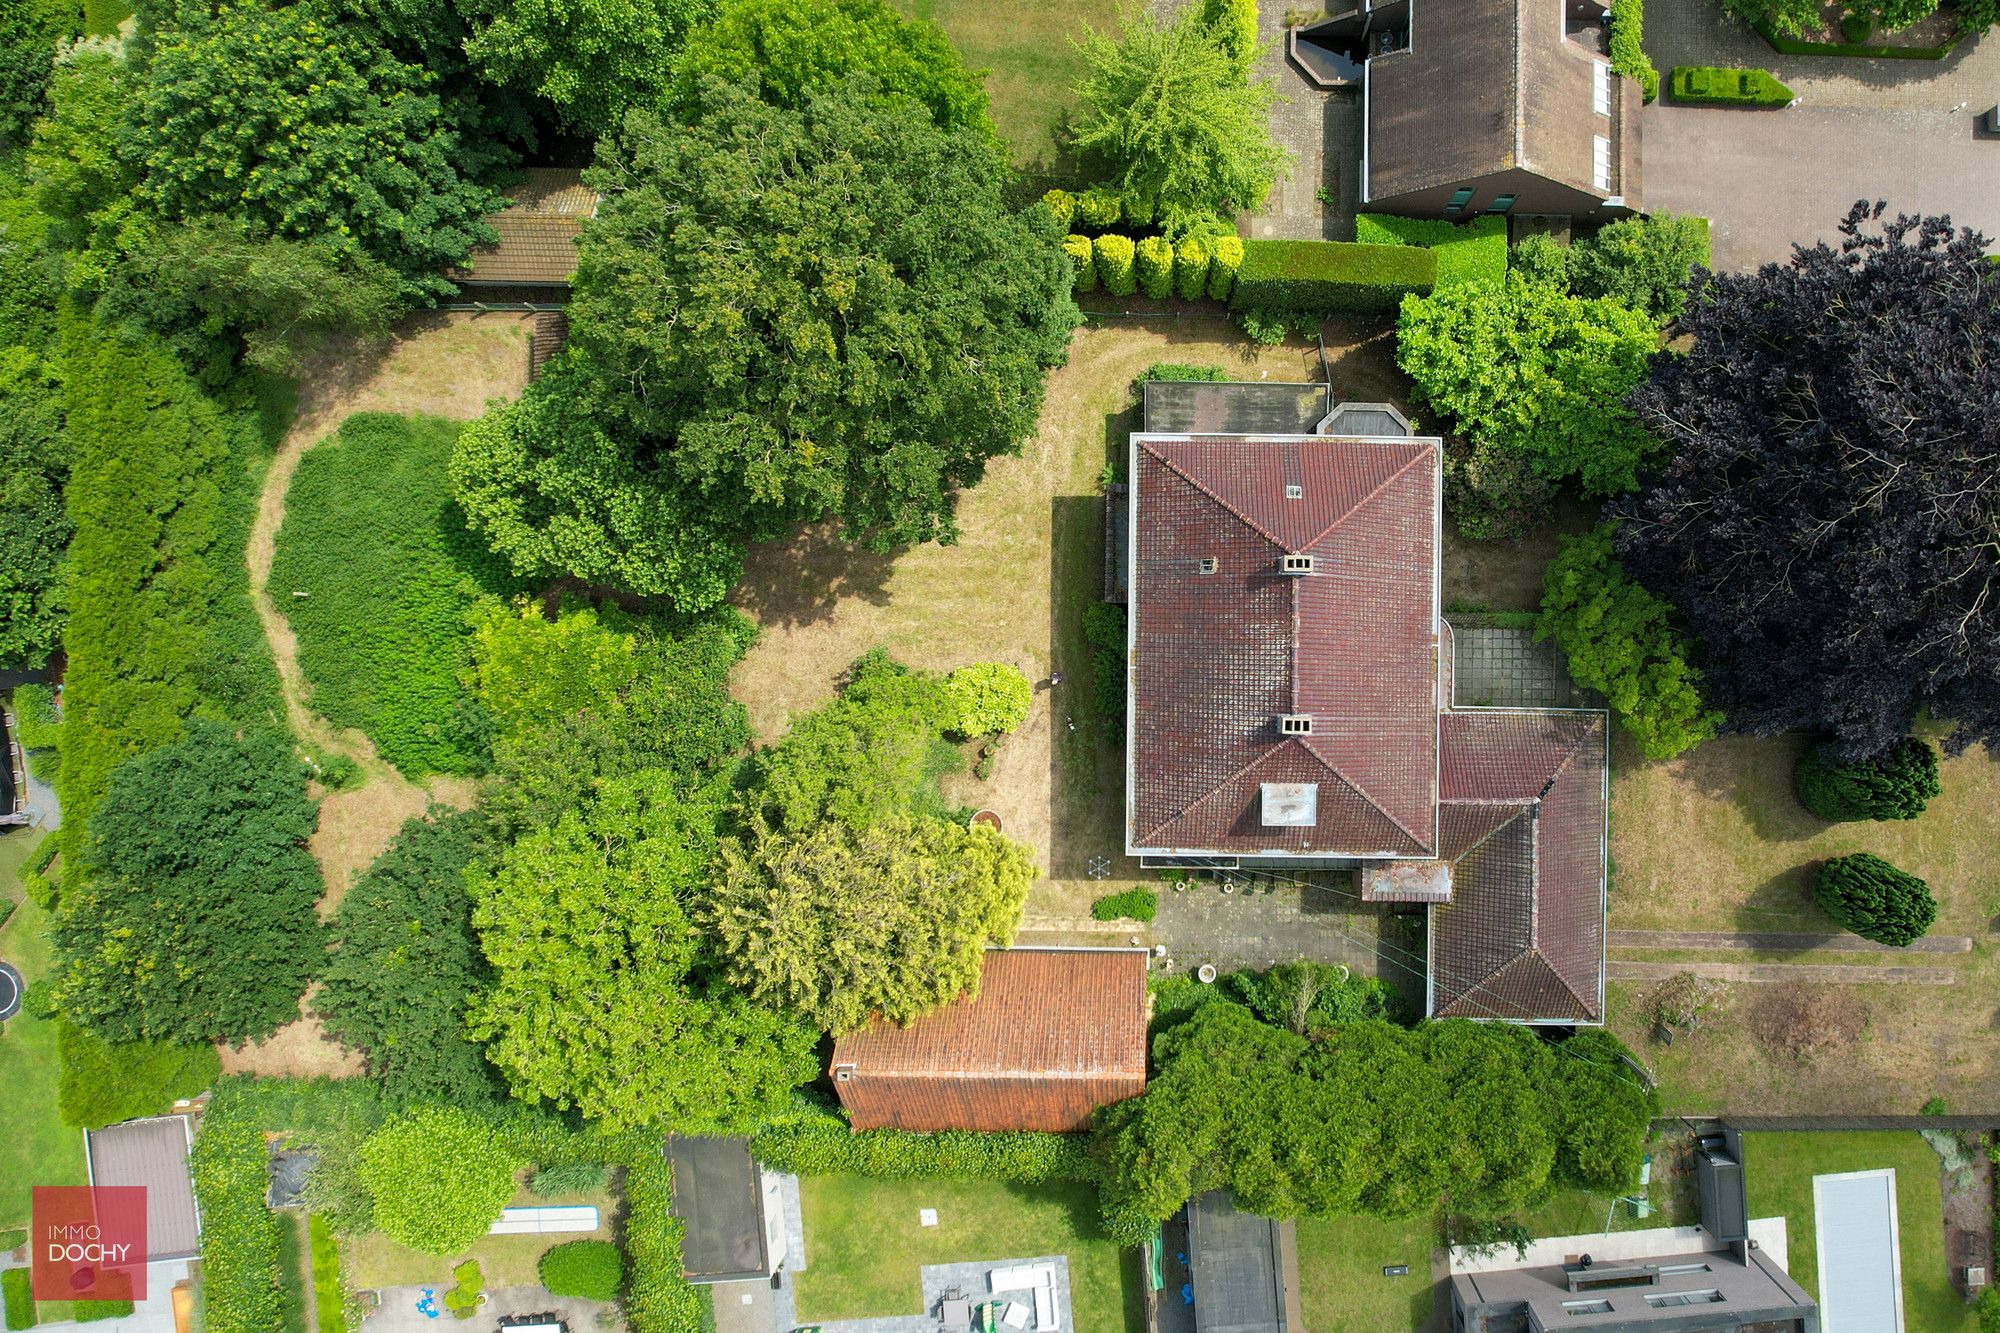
(1052, 1035)
(1220, 657)
(1490, 85)
(153, 1154)
(718, 1195)
(538, 231)
(1522, 820)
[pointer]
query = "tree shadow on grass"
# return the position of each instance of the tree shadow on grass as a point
(803, 580)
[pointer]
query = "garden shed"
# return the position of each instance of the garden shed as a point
(1245, 1269)
(733, 1210)
(152, 1154)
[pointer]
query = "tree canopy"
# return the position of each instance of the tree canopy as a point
(192, 916)
(1825, 523)
(439, 1176)
(34, 529)
(780, 315)
(596, 1003)
(1172, 112)
(591, 59)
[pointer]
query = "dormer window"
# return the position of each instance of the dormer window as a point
(1295, 564)
(1295, 492)
(1205, 565)
(1295, 724)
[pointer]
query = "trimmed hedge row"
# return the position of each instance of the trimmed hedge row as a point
(1324, 278)
(1154, 266)
(815, 1141)
(1793, 46)
(1472, 252)
(1711, 85)
(1628, 56)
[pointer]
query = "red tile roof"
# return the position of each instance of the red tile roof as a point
(537, 230)
(1052, 1035)
(1219, 657)
(1523, 817)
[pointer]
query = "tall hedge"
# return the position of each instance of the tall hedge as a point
(239, 1235)
(1865, 894)
(1325, 278)
(1083, 260)
(1466, 252)
(1628, 55)
(1115, 257)
(1191, 268)
(814, 1140)
(1896, 785)
(1155, 258)
(1225, 261)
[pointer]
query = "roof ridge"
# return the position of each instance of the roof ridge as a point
(1290, 742)
(1428, 844)
(1488, 836)
(1200, 489)
(1388, 481)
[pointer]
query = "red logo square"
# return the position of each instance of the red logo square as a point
(89, 1243)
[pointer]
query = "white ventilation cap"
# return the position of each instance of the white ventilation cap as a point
(1290, 804)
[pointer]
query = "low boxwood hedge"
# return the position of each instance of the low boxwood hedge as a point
(1794, 46)
(1323, 278)
(1475, 251)
(1715, 86)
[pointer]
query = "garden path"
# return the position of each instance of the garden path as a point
(1779, 942)
(1623, 970)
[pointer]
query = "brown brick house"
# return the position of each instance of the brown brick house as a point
(1290, 705)
(1052, 1035)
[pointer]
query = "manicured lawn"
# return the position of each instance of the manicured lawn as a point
(864, 1246)
(1340, 1273)
(1780, 1170)
(374, 1260)
(1026, 50)
(38, 1148)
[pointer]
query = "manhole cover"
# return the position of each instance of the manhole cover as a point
(10, 992)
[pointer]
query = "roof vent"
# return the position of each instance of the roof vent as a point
(1290, 804)
(1295, 724)
(1295, 492)
(843, 1073)
(1295, 564)
(1206, 565)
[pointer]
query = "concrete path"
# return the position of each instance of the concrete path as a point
(1771, 942)
(1621, 969)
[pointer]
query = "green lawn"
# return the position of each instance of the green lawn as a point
(1340, 1273)
(38, 1148)
(1780, 1170)
(864, 1245)
(1030, 64)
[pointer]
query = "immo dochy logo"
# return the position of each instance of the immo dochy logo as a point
(89, 1243)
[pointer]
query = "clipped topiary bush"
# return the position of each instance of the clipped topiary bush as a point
(1324, 278)
(1865, 894)
(1115, 269)
(1061, 203)
(1096, 209)
(1715, 86)
(988, 698)
(1191, 268)
(1131, 905)
(1155, 257)
(440, 1176)
(1083, 261)
(1896, 785)
(591, 1269)
(1224, 260)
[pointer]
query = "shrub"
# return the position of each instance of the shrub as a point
(816, 1141)
(1061, 205)
(1470, 252)
(1131, 905)
(1325, 278)
(440, 1176)
(1097, 208)
(1224, 261)
(561, 1178)
(1628, 55)
(1156, 267)
(329, 1297)
(1083, 261)
(1191, 268)
(1542, 259)
(1175, 372)
(1856, 26)
(1865, 894)
(1989, 1310)
(1104, 630)
(1262, 327)
(35, 712)
(239, 1235)
(988, 698)
(1234, 23)
(41, 890)
(1115, 256)
(591, 1269)
(1711, 85)
(1643, 262)
(1896, 785)
(102, 1082)
(15, 1283)
(463, 1299)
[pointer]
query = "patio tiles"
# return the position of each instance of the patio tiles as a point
(970, 1279)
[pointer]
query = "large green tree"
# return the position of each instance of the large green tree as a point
(191, 917)
(779, 315)
(1172, 113)
(29, 31)
(405, 964)
(292, 122)
(439, 1176)
(33, 527)
(596, 1003)
(591, 59)
(842, 923)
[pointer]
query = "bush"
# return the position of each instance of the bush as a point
(591, 1269)
(373, 537)
(463, 1299)
(1131, 905)
(1865, 894)
(1471, 252)
(16, 1285)
(1191, 268)
(1225, 260)
(1628, 55)
(561, 1178)
(104, 1082)
(1156, 267)
(988, 698)
(814, 1141)
(1061, 205)
(1263, 328)
(1542, 259)
(1643, 262)
(1989, 1310)
(440, 1176)
(1856, 26)
(329, 1297)
(1083, 261)
(1104, 630)
(1234, 23)
(1115, 256)
(1712, 85)
(36, 714)
(1097, 209)
(1896, 785)
(1175, 372)
(1325, 278)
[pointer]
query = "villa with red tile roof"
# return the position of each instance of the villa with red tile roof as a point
(1290, 705)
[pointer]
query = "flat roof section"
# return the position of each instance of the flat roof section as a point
(152, 1154)
(1860, 1260)
(1262, 408)
(1245, 1269)
(716, 1195)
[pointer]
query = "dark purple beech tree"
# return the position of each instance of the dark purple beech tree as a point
(1830, 523)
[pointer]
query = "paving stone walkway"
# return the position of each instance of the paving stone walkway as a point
(1621, 969)
(1506, 668)
(1264, 921)
(1776, 942)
